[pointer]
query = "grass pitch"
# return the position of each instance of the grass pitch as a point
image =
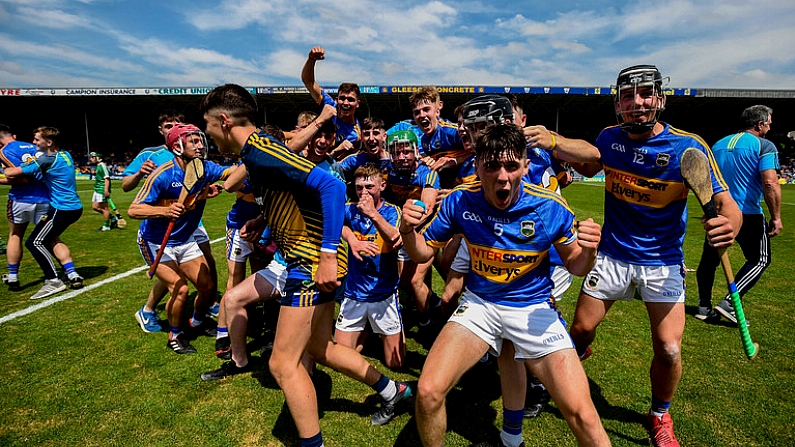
(81, 372)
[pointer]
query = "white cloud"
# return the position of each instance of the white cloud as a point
(51, 18)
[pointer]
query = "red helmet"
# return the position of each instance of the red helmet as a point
(177, 136)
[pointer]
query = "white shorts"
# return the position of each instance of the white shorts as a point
(179, 253)
(21, 212)
(561, 281)
(536, 330)
(237, 249)
(461, 261)
(276, 274)
(98, 198)
(384, 316)
(200, 235)
(611, 280)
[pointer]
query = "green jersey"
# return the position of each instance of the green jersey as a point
(99, 178)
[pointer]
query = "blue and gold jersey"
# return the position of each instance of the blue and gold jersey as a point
(351, 162)
(345, 131)
(16, 153)
(57, 171)
(292, 204)
(508, 249)
(374, 278)
(444, 141)
(162, 188)
(401, 187)
(466, 171)
(645, 195)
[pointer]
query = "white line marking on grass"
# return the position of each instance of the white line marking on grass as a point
(58, 299)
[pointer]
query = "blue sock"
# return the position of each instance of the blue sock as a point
(195, 321)
(175, 332)
(13, 269)
(314, 441)
(512, 421)
(69, 267)
(381, 384)
(222, 332)
(659, 407)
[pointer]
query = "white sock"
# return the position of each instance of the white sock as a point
(389, 392)
(511, 440)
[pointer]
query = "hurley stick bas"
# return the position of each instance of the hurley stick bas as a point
(194, 174)
(695, 171)
(120, 222)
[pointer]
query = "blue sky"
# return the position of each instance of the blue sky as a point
(141, 43)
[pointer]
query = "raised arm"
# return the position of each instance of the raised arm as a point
(301, 139)
(308, 72)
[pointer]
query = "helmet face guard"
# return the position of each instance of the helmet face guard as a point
(184, 137)
(647, 81)
(403, 150)
(484, 111)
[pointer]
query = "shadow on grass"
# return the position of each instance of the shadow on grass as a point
(92, 271)
(717, 320)
(612, 412)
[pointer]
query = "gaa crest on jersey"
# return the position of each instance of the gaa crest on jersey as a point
(528, 228)
(663, 159)
(591, 281)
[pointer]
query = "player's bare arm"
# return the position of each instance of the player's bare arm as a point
(308, 72)
(252, 229)
(389, 233)
(580, 257)
(721, 230)
(414, 242)
(326, 274)
(566, 149)
(131, 181)
(144, 211)
(357, 247)
(771, 191)
(301, 139)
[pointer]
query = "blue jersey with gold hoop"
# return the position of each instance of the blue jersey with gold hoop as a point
(162, 188)
(374, 278)
(508, 249)
(301, 204)
(646, 196)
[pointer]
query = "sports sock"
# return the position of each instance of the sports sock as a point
(147, 309)
(222, 333)
(659, 407)
(509, 440)
(386, 388)
(195, 322)
(107, 223)
(512, 424)
(313, 441)
(13, 269)
(175, 332)
(69, 267)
